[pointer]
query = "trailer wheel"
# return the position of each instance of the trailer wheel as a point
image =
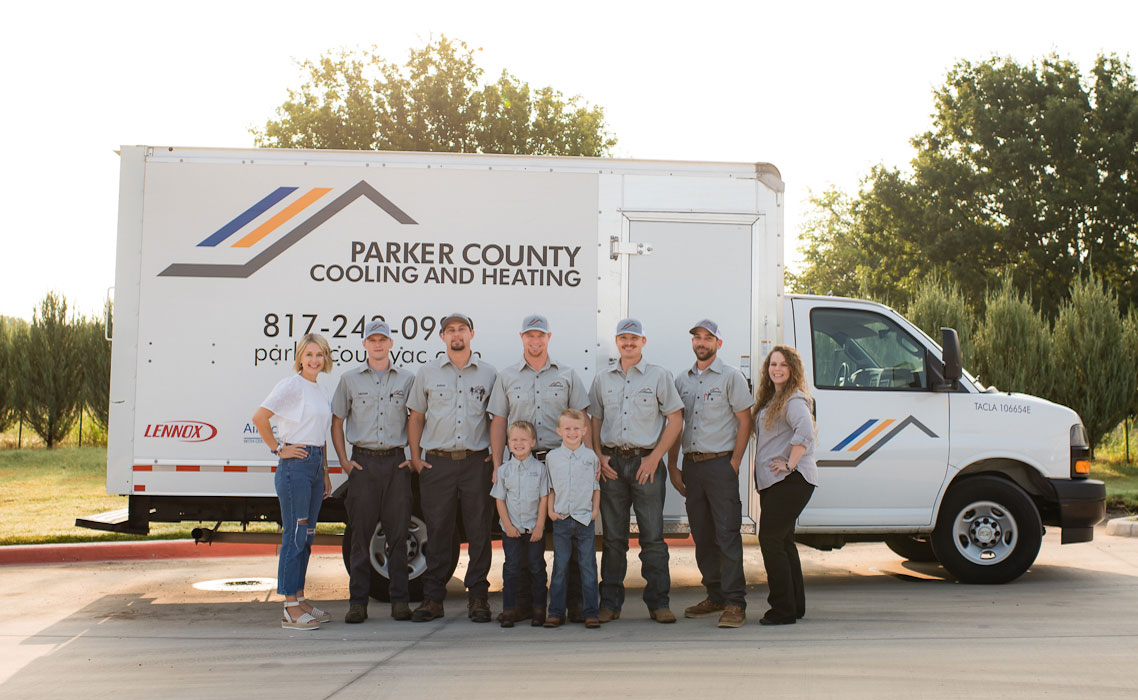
(416, 560)
(912, 547)
(988, 531)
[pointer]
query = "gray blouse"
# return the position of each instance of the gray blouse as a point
(794, 428)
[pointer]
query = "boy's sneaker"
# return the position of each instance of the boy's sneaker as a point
(733, 616)
(401, 611)
(478, 610)
(356, 614)
(427, 611)
(704, 608)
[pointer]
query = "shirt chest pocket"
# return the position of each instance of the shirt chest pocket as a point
(363, 399)
(612, 400)
(398, 399)
(554, 396)
(443, 395)
(644, 404)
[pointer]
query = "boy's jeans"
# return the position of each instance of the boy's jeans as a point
(518, 550)
(568, 534)
(300, 489)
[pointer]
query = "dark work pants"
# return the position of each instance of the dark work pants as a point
(380, 493)
(715, 517)
(441, 489)
(780, 506)
(524, 584)
(647, 501)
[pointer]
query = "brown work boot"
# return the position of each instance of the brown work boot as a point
(592, 623)
(733, 616)
(663, 615)
(429, 610)
(478, 610)
(506, 619)
(401, 611)
(537, 619)
(704, 608)
(553, 621)
(607, 615)
(356, 614)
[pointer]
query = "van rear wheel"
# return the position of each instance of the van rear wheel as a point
(988, 531)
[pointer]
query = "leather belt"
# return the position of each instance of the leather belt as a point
(368, 452)
(626, 452)
(458, 454)
(705, 456)
(540, 454)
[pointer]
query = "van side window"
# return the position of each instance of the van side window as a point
(864, 350)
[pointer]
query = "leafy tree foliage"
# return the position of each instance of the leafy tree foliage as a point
(433, 102)
(940, 304)
(1014, 348)
(10, 330)
(96, 368)
(1029, 171)
(48, 365)
(1094, 365)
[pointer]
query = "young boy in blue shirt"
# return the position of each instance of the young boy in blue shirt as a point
(574, 503)
(521, 491)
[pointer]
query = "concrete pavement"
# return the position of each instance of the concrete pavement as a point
(876, 627)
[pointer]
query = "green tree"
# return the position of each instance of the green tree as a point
(1094, 366)
(49, 370)
(939, 304)
(433, 102)
(1028, 172)
(1014, 350)
(97, 368)
(10, 330)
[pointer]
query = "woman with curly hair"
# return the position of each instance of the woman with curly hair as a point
(785, 476)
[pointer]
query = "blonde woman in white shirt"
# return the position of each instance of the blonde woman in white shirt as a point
(304, 415)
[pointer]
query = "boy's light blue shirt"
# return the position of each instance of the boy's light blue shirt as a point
(573, 478)
(521, 485)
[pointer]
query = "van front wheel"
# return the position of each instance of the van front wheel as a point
(988, 531)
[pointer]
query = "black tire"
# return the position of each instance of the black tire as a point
(912, 547)
(378, 585)
(988, 531)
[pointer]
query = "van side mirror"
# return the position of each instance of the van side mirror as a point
(951, 356)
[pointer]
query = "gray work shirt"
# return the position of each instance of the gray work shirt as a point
(520, 393)
(373, 406)
(711, 400)
(454, 403)
(573, 478)
(521, 485)
(632, 405)
(795, 427)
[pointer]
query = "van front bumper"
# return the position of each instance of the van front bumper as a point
(1082, 505)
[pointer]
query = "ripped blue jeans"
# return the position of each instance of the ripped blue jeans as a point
(300, 489)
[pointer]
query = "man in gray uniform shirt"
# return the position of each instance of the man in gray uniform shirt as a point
(636, 416)
(371, 402)
(450, 425)
(537, 390)
(717, 425)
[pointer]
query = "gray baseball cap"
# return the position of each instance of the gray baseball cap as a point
(631, 326)
(708, 325)
(377, 326)
(535, 322)
(455, 317)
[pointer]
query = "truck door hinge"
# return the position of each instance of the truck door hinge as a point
(618, 248)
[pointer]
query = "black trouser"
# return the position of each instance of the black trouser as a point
(441, 489)
(380, 493)
(715, 515)
(525, 598)
(780, 506)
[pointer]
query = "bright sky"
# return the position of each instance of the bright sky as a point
(822, 90)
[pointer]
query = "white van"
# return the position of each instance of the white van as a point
(227, 257)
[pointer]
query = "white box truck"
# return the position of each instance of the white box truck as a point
(227, 257)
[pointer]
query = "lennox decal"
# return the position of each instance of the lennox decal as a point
(182, 430)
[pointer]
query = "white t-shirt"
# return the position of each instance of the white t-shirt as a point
(302, 409)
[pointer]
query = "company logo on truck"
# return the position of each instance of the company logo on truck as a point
(865, 434)
(242, 220)
(181, 430)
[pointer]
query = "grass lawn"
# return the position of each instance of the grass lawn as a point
(45, 490)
